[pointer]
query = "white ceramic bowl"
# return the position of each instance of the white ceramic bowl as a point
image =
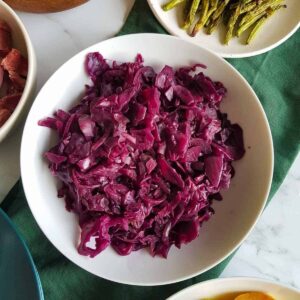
(216, 287)
(274, 32)
(235, 216)
(22, 42)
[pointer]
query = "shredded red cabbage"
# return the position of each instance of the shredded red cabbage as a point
(143, 155)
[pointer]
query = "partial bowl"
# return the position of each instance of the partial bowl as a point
(218, 287)
(38, 6)
(275, 31)
(19, 278)
(235, 215)
(22, 42)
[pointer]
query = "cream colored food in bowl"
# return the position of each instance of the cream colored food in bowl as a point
(217, 289)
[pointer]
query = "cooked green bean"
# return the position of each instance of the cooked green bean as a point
(213, 25)
(171, 4)
(248, 7)
(255, 29)
(245, 26)
(233, 6)
(202, 18)
(187, 6)
(218, 12)
(261, 21)
(232, 21)
(212, 9)
(186, 10)
(191, 15)
(259, 9)
(237, 15)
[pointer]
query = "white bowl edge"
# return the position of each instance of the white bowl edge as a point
(26, 181)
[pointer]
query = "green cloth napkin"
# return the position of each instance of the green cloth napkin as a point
(275, 78)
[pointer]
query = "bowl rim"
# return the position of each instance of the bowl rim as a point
(15, 231)
(27, 182)
(232, 279)
(30, 80)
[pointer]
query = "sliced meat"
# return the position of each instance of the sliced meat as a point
(1, 76)
(15, 62)
(4, 115)
(5, 38)
(10, 102)
(23, 67)
(13, 73)
(16, 65)
(7, 106)
(18, 81)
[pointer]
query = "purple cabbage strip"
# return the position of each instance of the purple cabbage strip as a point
(143, 155)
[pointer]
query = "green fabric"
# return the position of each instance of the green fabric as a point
(274, 77)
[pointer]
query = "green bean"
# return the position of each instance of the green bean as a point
(231, 23)
(278, 6)
(212, 9)
(245, 26)
(192, 12)
(186, 10)
(218, 12)
(226, 16)
(202, 18)
(248, 7)
(258, 10)
(255, 29)
(213, 25)
(187, 6)
(207, 22)
(261, 21)
(233, 6)
(236, 15)
(171, 4)
(213, 3)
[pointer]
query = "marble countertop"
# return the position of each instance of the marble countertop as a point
(272, 250)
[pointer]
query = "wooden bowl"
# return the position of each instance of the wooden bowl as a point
(43, 6)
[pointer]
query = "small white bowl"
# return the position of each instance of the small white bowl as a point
(235, 216)
(22, 42)
(217, 287)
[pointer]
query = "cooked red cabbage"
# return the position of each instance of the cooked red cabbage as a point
(143, 155)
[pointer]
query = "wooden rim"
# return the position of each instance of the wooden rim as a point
(44, 6)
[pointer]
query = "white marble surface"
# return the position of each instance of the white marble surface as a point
(273, 248)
